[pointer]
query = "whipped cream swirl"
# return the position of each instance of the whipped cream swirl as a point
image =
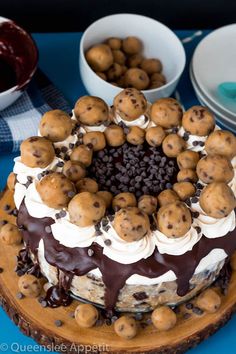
(193, 139)
(141, 122)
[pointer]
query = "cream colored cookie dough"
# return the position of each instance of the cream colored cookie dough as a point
(106, 196)
(187, 175)
(166, 112)
(11, 181)
(99, 57)
(209, 301)
(87, 185)
(10, 235)
(82, 154)
(91, 110)
(221, 142)
(86, 315)
(96, 139)
(126, 327)
(37, 152)
(184, 189)
(114, 43)
(137, 78)
(29, 285)
(151, 66)
(215, 168)
(119, 57)
(131, 45)
(134, 61)
(188, 159)
(173, 145)
(130, 104)
(155, 136)
(163, 318)
(74, 170)
(198, 120)
(148, 204)
(136, 135)
(114, 72)
(115, 135)
(123, 200)
(55, 125)
(166, 197)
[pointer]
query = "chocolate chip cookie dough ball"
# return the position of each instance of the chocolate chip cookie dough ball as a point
(99, 57)
(217, 200)
(114, 43)
(221, 142)
(136, 78)
(55, 190)
(96, 139)
(155, 136)
(56, 125)
(11, 181)
(74, 170)
(10, 235)
(102, 75)
(151, 66)
(119, 57)
(123, 200)
(188, 159)
(215, 168)
(131, 45)
(106, 196)
(37, 152)
(86, 315)
(198, 120)
(82, 154)
(148, 204)
(209, 301)
(126, 327)
(134, 60)
(163, 318)
(184, 190)
(29, 285)
(187, 175)
(91, 110)
(86, 209)
(158, 77)
(131, 224)
(173, 145)
(136, 136)
(166, 112)
(166, 197)
(174, 220)
(115, 135)
(114, 72)
(87, 185)
(130, 104)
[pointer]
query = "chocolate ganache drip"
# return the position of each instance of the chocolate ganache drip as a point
(78, 261)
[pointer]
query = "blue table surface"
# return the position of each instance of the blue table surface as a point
(59, 60)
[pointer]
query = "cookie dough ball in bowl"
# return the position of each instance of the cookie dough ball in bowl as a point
(198, 120)
(102, 75)
(184, 190)
(130, 104)
(158, 77)
(106, 196)
(173, 145)
(215, 168)
(86, 315)
(114, 72)
(126, 327)
(166, 197)
(96, 139)
(99, 57)
(188, 159)
(123, 200)
(163, 318)
(221, 142)
(174, 220)
(148, 204)
(114, 43)
(37, 152)
(82, 154)
(166, 112)
(136, 135)
(55, 190)
(131, 45)
(187, 175)
(10, 235)
(115, 135)
(30, 286)
(131, 224)
(136, 78)
(151, 66)
(87, 185)
(86, 209)
(155, 136)
(119, 57)
(11, 181)
(91, 110)
(74, 170)
(134, 61)
(209, 301)
(217, 200)
(56, 125)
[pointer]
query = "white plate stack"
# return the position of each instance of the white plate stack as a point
(213, 63)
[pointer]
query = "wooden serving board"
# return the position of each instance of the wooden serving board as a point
(39, 323)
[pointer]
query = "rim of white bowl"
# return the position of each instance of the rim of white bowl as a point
(176, 77)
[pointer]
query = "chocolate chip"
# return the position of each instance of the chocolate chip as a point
(58, 323)
(96, 204)
(19, 296)
(195, 214)
(186, 316)
(60, 164)
(1, 270)
(189, 305)
(197, 311)
(194, 200)
(198, 229)
(107, 242)
(6, 207)
(71, 194)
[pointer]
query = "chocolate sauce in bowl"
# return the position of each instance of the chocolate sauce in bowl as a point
(78, 261)
(18, 56)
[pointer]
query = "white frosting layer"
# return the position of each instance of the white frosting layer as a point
(125, 252)
(193, 138)
(232, 183)
(176, 246)
(19, 194)
(141, 122)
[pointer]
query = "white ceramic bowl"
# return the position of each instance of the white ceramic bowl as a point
(158, 42)
(30, 54)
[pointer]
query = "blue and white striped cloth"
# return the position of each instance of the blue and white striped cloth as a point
(21, 120)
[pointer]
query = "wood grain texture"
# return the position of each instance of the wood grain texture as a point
(39, 323)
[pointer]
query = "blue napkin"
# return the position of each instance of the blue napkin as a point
(21, 119)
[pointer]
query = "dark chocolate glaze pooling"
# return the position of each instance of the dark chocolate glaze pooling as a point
(18, 56)
(76, 261)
